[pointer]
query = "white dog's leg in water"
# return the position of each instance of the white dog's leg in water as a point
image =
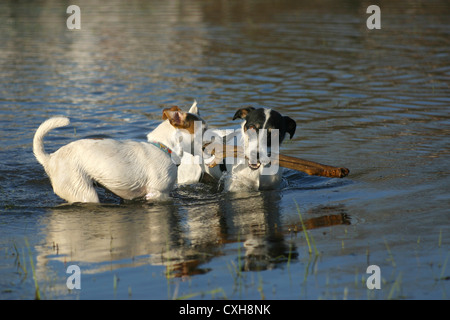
(156, 195)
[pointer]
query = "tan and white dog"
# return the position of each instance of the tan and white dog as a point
(129, 169)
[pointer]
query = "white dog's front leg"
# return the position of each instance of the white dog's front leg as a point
(156, 195)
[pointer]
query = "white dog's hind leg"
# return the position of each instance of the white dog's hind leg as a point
(79, 189)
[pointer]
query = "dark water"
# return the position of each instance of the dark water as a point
(375, 101)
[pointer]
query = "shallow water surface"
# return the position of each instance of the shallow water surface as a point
(375, 101)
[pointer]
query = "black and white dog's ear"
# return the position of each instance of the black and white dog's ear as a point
(290, 126)
(242, 113)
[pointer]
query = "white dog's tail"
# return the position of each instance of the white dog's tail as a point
(44, 128)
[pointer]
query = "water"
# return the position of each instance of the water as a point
(375, 101)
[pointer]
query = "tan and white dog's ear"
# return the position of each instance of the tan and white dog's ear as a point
(166, 114)
(194, 108)
(242, 113)
(179, 119)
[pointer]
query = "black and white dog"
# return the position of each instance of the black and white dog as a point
(262, 127)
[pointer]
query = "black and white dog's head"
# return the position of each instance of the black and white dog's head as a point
(267, 120)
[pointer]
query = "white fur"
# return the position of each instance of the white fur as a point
(129, 169)
(190, 170)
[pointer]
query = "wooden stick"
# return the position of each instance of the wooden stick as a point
(309, 167)
(312, 168)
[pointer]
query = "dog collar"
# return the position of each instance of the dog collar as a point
(161, 146)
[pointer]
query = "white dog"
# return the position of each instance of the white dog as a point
(129, 169)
